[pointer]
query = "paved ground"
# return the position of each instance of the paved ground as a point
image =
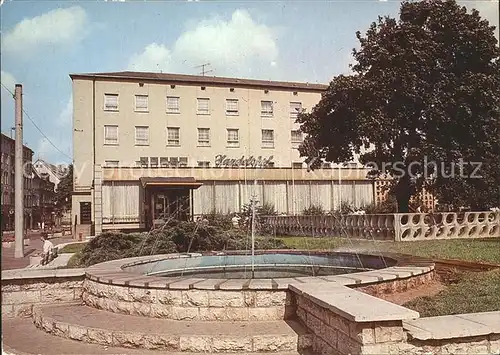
(39, 342)
(10, 262)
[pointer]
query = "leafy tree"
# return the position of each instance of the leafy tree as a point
(425, 90)
(64, 191)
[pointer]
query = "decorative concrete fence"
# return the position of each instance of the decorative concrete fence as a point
(396, 226)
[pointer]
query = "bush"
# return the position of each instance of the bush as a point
(314, 210)
(218, 219)
(178, 237)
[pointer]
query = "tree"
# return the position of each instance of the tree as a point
(64, 191)
(424, 91)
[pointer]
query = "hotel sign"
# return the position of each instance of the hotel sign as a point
(251, 161)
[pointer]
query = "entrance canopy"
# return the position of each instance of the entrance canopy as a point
(186, 182)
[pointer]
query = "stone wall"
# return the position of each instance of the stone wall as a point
(188, 304)
(22, 289)
(335, 334)
(397, 226)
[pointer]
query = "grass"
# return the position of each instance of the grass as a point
(73, 248)
(481, 250)
(474, 292)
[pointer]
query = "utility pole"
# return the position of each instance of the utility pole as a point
(18, 175)
(203, 71)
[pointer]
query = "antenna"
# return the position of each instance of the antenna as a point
(203, 71)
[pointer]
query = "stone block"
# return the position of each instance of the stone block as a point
(301, 315)
(231, 344)
(118, 306)
(212, 314)
(236, 313)
(160, 310)
(494, 344)
(169, 297)
(466, 347)
(270, 298)
(388, 332)
(23, 310)
(99, 336)
(195, 344)
(57, 295)
(140, 294)
(10, 288)
(161, 342)
(320, 347)
(347, 345)
(274, 343)
(195, 298)
(226, 299)
(47, 325)
(362, 332)
(269, 313)
(249, 298)
(314, 324)
(61, 329)
(183, 313)
(305, 341)
(77, 333)
(141, 309)
(128, 339)
(7, 310)
(21, 297)
(339, 323)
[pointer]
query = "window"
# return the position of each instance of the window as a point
(111, 163)
(111, 135)
(141, 103)
(111, 102)
(266, 108)
(173, 137)
(203, 164)
(204, 137)
(295, 108)
(203, 107)
(232, 107)
(267, 138)
(173, 105)
(233, 139)
(296, 138)
(141, 135)
(297, 165)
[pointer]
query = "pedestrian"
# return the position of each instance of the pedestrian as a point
(47, 245)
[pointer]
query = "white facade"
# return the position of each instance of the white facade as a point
(129, 126)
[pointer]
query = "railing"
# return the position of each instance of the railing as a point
(397, 226)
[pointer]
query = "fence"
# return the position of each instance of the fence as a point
(397, 226)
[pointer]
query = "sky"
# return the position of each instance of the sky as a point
(44, 41)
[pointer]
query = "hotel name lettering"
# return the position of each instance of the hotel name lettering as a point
(251, 161)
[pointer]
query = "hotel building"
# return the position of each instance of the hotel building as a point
(149, 145)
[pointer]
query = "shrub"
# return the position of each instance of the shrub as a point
(218, 219)
(314, 210)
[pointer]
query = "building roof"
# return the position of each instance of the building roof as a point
(4, 136)
(54, 169)
(198, 79)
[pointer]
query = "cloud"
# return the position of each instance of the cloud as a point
(8, 80)
(66, 116)
(60, 135)
(55, 28)
(155, 57)
(237, 47)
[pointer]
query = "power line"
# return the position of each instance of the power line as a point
(38, 128)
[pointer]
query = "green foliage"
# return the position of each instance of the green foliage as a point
(314, 210)
(177, 237)
(65, 191)
(219, 219)
(424, 91)
(473, 293)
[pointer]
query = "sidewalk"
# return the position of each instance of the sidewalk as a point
(10, 262)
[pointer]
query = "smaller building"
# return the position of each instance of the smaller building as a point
(54, 172)
(7, 169)
(43, 199)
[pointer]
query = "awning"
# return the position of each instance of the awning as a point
(187, 182)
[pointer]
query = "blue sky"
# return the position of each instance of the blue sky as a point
(44, 41)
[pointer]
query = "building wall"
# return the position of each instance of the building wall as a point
(7, 176)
